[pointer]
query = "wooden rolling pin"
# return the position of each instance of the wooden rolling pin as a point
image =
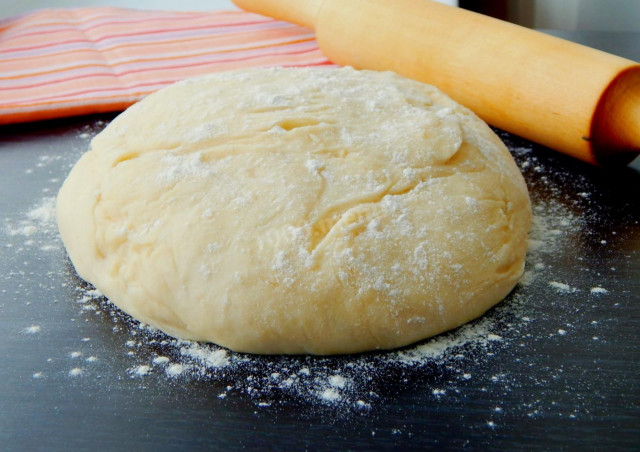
(571, 98)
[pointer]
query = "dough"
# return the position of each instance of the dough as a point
(312, 210)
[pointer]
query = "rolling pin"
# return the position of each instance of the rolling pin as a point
(568, 97)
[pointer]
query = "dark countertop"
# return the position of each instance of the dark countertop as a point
(556, 366)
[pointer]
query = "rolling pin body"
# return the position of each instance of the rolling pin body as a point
(572, 98)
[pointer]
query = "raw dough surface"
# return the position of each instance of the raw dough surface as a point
(298, 211)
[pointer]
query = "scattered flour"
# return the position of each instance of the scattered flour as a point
(160, 360)
(76, 372)
(476, 333)
(354, 382)
(173, 370)
(562, 287)
(141, 370)
(210, 358)
(337, 381)
(40, 219)
(330, 395)
(33, 329)
(322, 380)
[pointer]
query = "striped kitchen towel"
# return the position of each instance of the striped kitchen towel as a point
(65, 62)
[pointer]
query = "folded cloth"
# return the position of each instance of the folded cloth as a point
(65, 62)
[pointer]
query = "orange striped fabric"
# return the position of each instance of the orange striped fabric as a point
(64, 62)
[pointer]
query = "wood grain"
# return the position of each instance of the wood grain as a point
(539, 87)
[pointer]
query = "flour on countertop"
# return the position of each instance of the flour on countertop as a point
(562, 287)
(175, 369)
(33, 329)
(40, 219)
(76, 372)
(141, 370)
(352, 383)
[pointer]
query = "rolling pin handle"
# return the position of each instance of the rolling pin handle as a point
(615, 130)
(298, 12)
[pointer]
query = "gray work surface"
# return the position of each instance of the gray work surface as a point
(556, 366)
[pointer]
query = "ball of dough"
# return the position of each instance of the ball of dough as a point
(292, 210)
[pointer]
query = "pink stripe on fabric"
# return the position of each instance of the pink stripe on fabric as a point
(155, 67)
(57, 63)
(132, 35)
(135, 86)
(153, 62)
